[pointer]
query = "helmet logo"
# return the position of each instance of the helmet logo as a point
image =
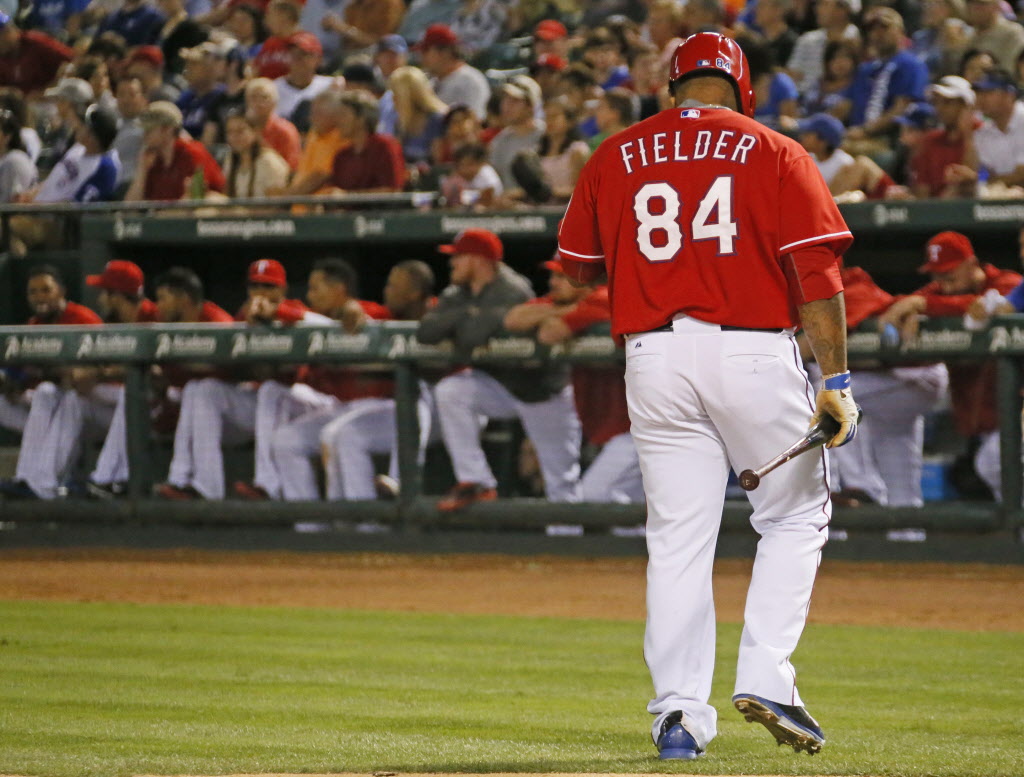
(703, 63)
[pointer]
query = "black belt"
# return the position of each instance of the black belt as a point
(724, 328)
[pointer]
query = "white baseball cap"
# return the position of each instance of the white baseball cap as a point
(954, 88)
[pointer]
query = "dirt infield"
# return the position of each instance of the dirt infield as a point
(922, 595)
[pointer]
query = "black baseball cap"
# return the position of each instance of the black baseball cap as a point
(102, 122)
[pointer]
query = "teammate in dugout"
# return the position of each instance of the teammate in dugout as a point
(959, 284)
(719, 238)
(884, 463)
(471, 311)
(215, 409)
(599, 394)
(43, 405)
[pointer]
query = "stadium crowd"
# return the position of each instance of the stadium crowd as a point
(493, 104)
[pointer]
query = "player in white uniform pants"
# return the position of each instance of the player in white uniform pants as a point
(289, 419)
(710, 254)
(350, 441)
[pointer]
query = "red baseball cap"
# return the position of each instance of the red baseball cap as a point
(119, 275)
(551, 62)
(550, 29)
(946, 251)
(437, 35)
(150, 54)
(554, 264)
(481, 242)
(306, 41)
(269, 272)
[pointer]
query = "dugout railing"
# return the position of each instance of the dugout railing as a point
(393, 345)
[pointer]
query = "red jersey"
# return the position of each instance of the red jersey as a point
(599, 392)
(33, 63)
(167, 182)
(939, 304)
(281, 135)
(706, 212)
(348, 383)
(972, 386)
(863, 296)
(73, 313)
(937, 152)
(377, 165)
(180, 374)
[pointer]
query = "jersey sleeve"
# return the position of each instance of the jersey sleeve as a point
(592, 309)
(579, 238)
(808, 214)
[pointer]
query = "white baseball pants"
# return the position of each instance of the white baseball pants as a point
(988, 464)
(59, 421)
(614, 475)
(368, 427)
(552, 426)
(886, 458)
(294, 442)
(213, 412)
(701, 401)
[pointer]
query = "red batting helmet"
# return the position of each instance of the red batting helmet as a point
(720, 55)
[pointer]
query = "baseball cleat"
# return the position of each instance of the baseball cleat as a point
(465, 494)
(789, 724)
(176, 494)
(675, 743)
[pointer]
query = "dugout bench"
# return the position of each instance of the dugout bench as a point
(393, 345)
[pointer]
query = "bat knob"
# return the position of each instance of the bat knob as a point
(749, 480)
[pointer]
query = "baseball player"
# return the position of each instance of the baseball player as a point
(39, 413)
(121, 301)
(180, 299)
(215, 410)
(370, 427)
(470, 311)
(719, 237)
(884, 463)
(599, 393)
(959, 280)
(289, 422)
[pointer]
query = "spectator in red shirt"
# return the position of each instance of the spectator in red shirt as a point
(29, 60)
(281, 18)
(277, 132)
(373, 162)
(946, 162)
(170, 161)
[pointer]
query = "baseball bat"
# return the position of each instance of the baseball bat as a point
(816, 436)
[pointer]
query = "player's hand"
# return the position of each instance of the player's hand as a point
(839, 404)
(353, 317)
(261, 310)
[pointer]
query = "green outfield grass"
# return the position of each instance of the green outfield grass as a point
(102, 689)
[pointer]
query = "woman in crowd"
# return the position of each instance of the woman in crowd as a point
(251, 168)
(975, 63)
(421, 113)
(832, 94)
(17, 173)
(460, 127)
(563, 151)
(245, 23)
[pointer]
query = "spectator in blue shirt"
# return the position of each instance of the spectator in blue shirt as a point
(60, 19)
(777, 95)
(885, 86)
(205, 70)
(135, 21)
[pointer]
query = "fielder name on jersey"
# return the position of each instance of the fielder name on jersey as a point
(662, 147)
